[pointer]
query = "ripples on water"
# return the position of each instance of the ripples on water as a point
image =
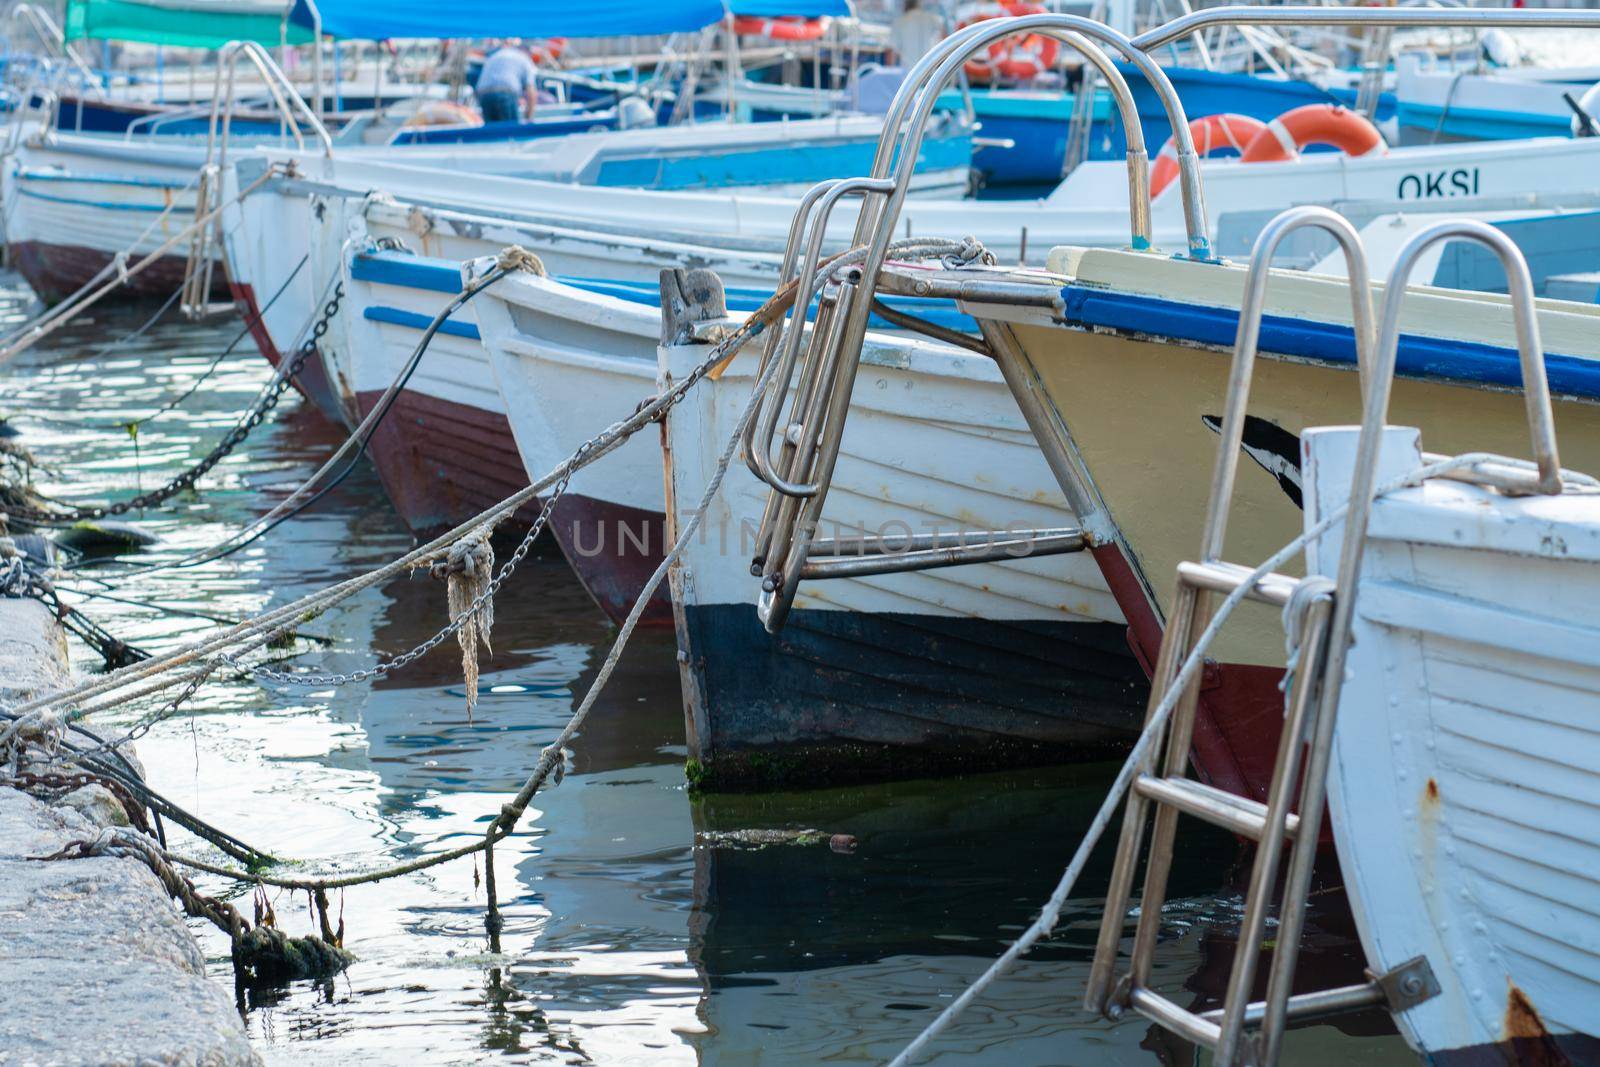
(625, 942)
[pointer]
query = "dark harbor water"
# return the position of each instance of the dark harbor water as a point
(630, 938)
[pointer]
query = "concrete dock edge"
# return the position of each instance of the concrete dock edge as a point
(97, 966)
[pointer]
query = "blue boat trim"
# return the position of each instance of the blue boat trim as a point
(770, 164)
(399, 317)
(1429, 358)
(407, 271)
(104, 205)
(1478, 123)
(101, 179)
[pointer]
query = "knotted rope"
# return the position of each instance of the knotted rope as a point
(262, 954)
(468, 570)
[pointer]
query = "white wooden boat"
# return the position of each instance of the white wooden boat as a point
(314, 219)
(893, 674)
(443, 450)
(1466, 759)
(1451, 102)
(1134, 362)
(902, 674)
(74, 204)
(1465, 754)
(1441, 702)
(74, 201)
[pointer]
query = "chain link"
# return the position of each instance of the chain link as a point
(57, 785)
(168, 710)
(666, 401)
(184, 482)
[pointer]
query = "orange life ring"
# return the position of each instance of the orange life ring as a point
(1209, 133)
(784, 28)
(1327, 124)
(1020, 57)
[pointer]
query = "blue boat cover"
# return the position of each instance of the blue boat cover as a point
(377, 20)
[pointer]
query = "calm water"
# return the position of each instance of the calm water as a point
(626, 942)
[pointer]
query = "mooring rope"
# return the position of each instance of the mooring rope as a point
(1051, 912)
(188, 664)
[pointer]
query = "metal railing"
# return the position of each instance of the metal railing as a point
(1241, 1032)
(293, 111)
(795, 455)
(54, 42)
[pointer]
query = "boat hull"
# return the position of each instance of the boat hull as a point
(311, 380)
(1140, 380)
(569, 364)
(442, 462)
(444, 449)
(884, 676)
(54, 271)
(72, 209)
(1466, 762)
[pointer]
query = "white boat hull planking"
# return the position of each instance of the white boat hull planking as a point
(1466, 761)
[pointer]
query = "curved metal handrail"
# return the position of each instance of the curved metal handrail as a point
(1530, 351)
(284, 96)
(1397, 17)
(925, 80)
(761, 467)
(1247, 341)
(918, 94)
(813, 440)
(1189, 612)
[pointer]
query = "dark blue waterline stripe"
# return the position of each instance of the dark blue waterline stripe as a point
(105, 205)
(1440, 359)
(397, 317)
(101, 179)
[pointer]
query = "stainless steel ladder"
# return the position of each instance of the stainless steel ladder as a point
(1243, 1033)
(797, 462)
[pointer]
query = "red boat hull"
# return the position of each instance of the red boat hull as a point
(1240, 713)
(55, 272)
(442, 463)
(312, 381)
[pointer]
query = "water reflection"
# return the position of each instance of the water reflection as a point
(626, 940)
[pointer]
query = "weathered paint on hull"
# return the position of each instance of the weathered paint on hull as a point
(442, 463)
(312, 380)
(614, 549)
(55, 272)
(850, 695)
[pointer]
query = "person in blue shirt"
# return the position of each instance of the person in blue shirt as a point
(506, 85)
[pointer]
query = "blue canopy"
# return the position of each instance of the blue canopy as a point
(810, 9)
(377, 20)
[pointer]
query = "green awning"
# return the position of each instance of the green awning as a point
(182, 23)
